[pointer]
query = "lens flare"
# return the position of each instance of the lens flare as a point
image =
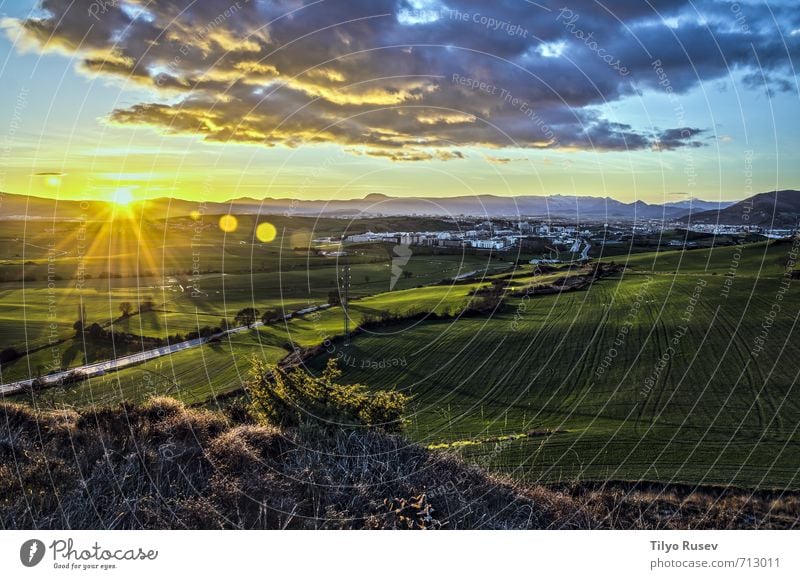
(266, 232)
(228, 223)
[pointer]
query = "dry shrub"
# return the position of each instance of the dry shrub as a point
(163, 465)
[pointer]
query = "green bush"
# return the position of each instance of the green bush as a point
(292, 398)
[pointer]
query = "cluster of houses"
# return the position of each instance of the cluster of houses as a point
(484, 235)
(550, 238)
(722, 229)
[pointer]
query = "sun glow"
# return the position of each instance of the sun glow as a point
(122, 196)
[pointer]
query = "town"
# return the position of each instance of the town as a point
(559, 238)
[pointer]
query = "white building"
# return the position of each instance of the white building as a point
(361, 238)
(488, 243)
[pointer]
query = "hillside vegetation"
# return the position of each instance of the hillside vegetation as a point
(163, 465)
(677, 369)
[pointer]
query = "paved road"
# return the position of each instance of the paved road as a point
(585, 252)
(100, 368)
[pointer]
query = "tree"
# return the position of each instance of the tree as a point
(246, 316)
(146, 305)
(78, 325)
(408, 274)
(268, 316)
(292, 398)
(126, 308)
(334, 298)
(9, 355)
(96, 331)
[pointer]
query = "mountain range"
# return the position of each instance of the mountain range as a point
(576, 208)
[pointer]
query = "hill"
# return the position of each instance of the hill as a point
(162, 465)
(771, 209)
(657, 372)
(697, 205)
(569, 207)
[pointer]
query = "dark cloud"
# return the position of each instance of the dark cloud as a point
(415, 80)
(675, 138)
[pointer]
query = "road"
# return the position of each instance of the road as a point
(585, 252)
(100, 368)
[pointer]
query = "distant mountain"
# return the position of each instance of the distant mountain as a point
(20, 207)
(775, 208)
(697, 205)
(578, 208)
(568, 207)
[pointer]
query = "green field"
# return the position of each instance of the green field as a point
(191, 271)
(655, 373)
(682, 396)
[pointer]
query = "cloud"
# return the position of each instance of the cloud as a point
(494, 160)
(498, 160)
(674, 138)
(415, 154)
(406, 83)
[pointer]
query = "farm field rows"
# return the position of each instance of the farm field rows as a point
(62, 267)
(645, 375)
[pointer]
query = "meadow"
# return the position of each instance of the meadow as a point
(205, 276)
(680, 369)
(660, 374)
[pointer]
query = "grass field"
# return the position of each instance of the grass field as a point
(49, 270)
(681, 394)
(656, 374)
(219, 367)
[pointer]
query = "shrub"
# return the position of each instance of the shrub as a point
(163, 465)
(246, 316)
(9, 355)
(291, 398)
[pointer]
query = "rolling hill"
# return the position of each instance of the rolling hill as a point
(772, 209)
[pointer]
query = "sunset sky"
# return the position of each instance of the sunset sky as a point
(217, 99)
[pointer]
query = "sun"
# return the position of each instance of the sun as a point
(122, 196)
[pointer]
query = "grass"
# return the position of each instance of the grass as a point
(680, 401)
(707, 411)
(161, 465)
(200, 374)
(202, 276)
(31, 313)
(192, 376)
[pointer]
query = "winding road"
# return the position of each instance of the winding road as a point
(100, 368)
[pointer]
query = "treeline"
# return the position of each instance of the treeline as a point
(97, 332)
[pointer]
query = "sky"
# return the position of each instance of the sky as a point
(656, 101)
